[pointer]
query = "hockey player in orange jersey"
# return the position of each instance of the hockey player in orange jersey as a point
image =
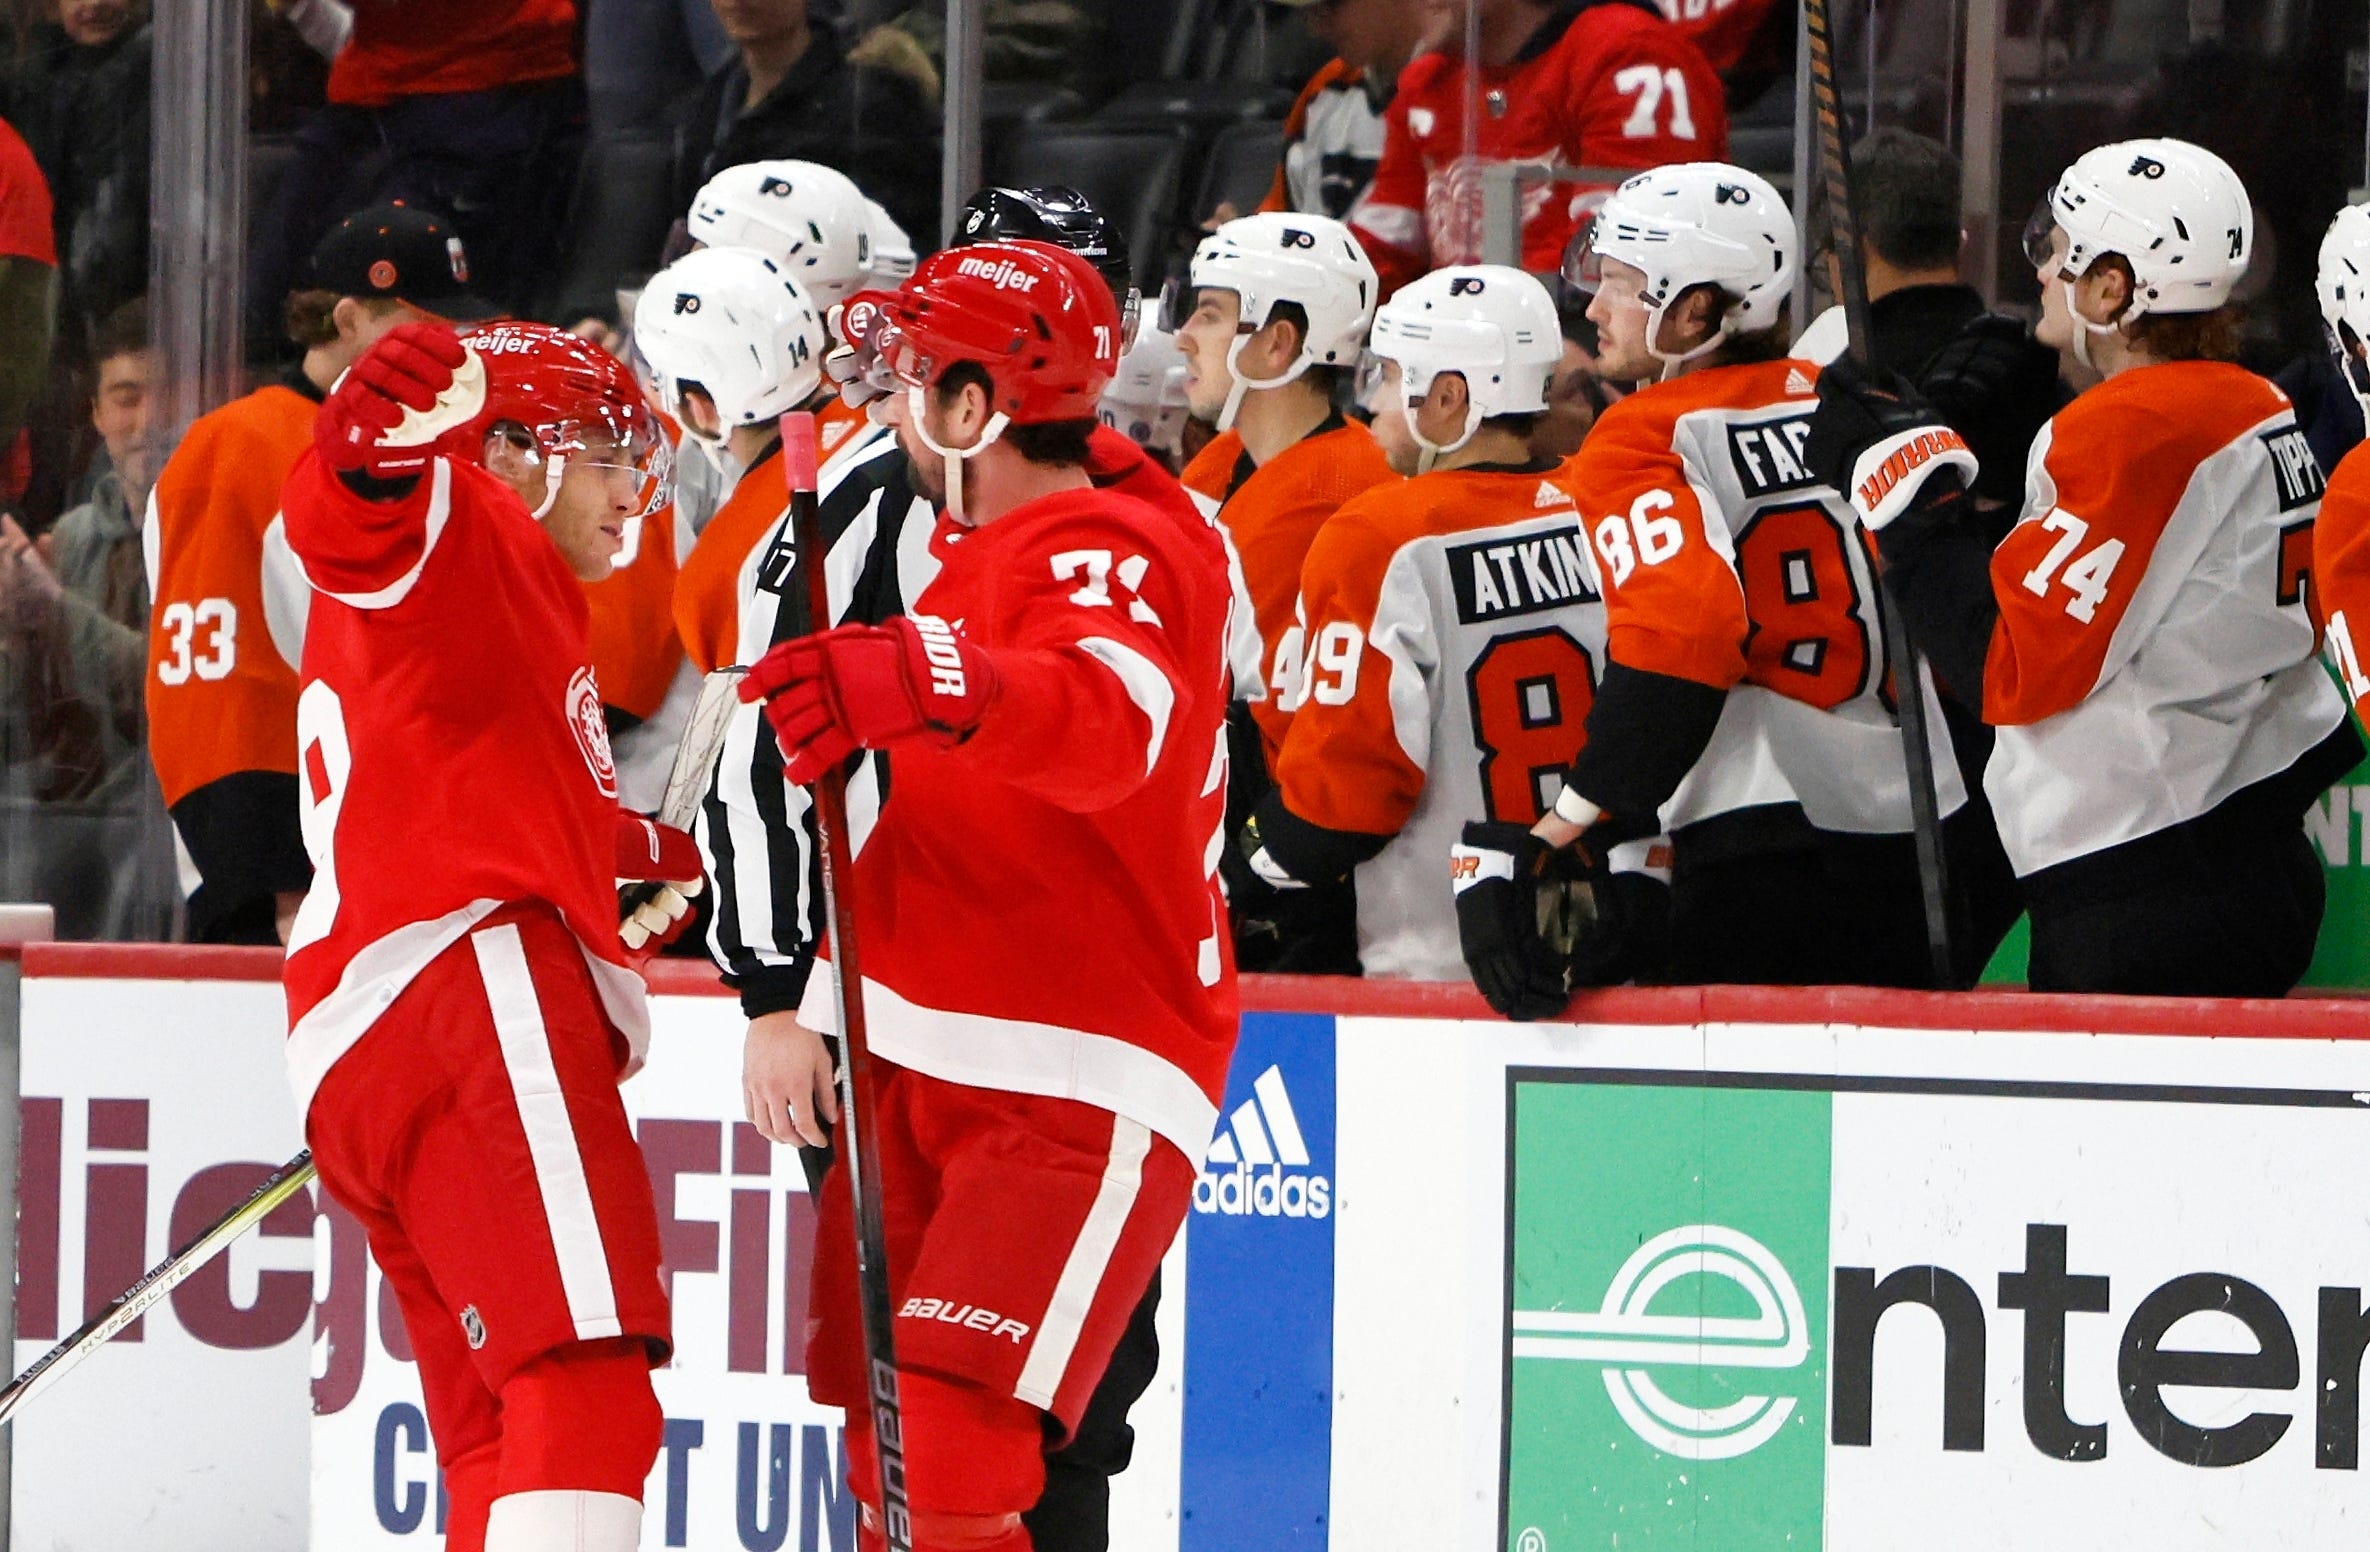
(1747, 698)
(2341, 538)
(1275, 314)
(228, 622)
(1452, 621)
(2143, 637)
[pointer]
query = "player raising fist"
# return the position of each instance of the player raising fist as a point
(460, 1007)
(1053, 711)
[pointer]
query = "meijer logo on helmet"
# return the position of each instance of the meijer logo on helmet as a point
(1002, 273)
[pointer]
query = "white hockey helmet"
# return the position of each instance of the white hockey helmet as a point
(1278, 256)
(1693, 224)
(1495, 326)
(808, 218)
(2173, 211)
(892, 250)
(730, 324)
(1146, 401)
(2343, 285)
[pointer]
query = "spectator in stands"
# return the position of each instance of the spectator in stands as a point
(80, 98)
(1596, 83)
(791, 93)
(642, 57)
(1333, 138)
(28, 302)
(466, 106)
(78, 627)
(229, 602)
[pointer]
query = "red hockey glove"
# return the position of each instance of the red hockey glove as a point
(867, 686)
(658, 871)
(407, 369)
(658, 852)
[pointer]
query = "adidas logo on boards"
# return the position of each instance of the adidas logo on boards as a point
(1258, 1164)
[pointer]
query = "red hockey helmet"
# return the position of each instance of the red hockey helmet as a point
(1038, 319)
(575, 402)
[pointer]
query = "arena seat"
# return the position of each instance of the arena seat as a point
(616, 224)
(1132, 175)
(1239, 168)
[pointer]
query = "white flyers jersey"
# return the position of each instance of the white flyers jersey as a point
(1725, 562)
(2154, 652)
(1454, 637)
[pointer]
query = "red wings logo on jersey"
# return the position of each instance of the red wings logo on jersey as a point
(592, 730)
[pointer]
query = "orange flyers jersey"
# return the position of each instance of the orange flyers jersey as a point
(1725, 562)
(2154, 649)
(2340, 589)
(221, 694)
(1455, 636)
(1605, 84)
(1273, 513)
(635, 650)
(1210, 475)
(720, 570)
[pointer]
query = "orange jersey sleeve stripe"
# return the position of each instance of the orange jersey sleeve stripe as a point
(708, 586)
(2341, 572)
(221, 699)
(1673, 604)
(2111, 472)
(633, 644)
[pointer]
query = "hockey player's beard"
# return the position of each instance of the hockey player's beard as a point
(927, 472)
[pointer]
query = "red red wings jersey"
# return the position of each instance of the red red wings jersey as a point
(1724, 561)
(2340, 588)
(2154, 651)
(415, 48)
(1609, 84)
(1039, 907)
(1454, 641)
(1723, 29)
(450, 747)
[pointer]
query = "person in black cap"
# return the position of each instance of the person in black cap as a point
(227, 623)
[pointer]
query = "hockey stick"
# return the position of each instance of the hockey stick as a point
(859, 1137)
(142, 1296)
(1848, 278)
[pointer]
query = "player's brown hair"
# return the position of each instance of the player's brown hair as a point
(1057, 442)
(2210, 336)
(1737, 349)
(311, 316)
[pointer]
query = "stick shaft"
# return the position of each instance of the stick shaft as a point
(1848, 278)
(160, 1280)
(858, 1139)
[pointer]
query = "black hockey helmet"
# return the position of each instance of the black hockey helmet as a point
(1049, 213)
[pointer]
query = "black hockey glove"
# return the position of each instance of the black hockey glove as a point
(1628, 934)
(1875, 440)
(1998, 386)
(1513, 918)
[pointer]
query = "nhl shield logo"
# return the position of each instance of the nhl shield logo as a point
(473, 1327)
(591, 730)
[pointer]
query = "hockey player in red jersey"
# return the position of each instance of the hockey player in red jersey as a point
(2341, 538)
(2143, 638)
(1746, 699)
(460, 1004)
(1571, 83)
(1053, 710)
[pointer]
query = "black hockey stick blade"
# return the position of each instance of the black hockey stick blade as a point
(859, 1135)
(1848, 278)
(160, 1280)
